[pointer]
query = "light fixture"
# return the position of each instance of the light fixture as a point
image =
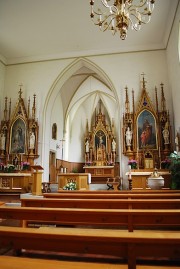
(118, 15)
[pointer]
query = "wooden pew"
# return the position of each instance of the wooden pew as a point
(119, 195)
(106, 242)
(129, 219)
(103, 203)
(120, 191)
(30, 263)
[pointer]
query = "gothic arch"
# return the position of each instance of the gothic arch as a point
(56, 87)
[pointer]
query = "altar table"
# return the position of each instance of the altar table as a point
(140, 178)
(15, 182)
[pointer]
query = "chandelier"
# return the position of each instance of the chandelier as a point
(118, 15)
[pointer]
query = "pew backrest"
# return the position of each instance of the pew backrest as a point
(129, 219)
(89, 195)
(102, 203)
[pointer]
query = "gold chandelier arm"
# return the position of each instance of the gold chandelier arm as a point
(106, 22)
(139, 17)
(118, 15)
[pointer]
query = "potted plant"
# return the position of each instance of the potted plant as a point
(175, 170)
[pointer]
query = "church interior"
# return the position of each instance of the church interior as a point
(90, 134)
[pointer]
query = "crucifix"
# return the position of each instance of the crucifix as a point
(62, 140)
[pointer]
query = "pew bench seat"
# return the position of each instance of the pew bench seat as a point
(30, 263)
(85, 241)
(12, 262)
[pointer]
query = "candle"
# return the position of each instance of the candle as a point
(130, 175)
(159, 152)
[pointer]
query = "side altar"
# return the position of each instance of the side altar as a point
(100, 147)
(147, 134)
(19, 132)
(140, 178)
(15, 182)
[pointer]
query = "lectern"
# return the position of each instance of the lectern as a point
(37, 179)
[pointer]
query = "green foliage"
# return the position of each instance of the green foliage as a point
(175, 170)
(75, 170)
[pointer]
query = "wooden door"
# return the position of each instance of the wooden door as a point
(52, 167)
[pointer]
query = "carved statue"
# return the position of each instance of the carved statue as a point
(128, 137)
(2, 141)
(166, 134)
(113, 145)
(177, 143)
(87, 146)
(32, 140)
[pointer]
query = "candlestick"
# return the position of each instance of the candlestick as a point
(159, 152)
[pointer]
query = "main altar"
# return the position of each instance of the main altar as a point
(100, 147)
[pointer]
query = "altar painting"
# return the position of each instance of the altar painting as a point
(146, 130)
(18, 137)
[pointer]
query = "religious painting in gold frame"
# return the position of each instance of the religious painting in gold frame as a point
(18, 137)
(146, 131)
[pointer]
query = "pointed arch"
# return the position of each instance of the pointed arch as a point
(55, 89)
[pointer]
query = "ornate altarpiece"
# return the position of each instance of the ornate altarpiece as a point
(19, 133)
(150, 140)
(100, 142)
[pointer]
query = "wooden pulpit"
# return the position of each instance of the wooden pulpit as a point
(37, 179)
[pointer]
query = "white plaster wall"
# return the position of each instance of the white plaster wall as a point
(125, 69)
(174, 70)
(57, 117)
(2, 78)
(121, 69)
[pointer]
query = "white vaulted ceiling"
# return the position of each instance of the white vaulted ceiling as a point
(32, 30)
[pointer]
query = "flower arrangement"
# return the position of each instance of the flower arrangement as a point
(88, 163)
(1, 166)
(9, 168)
(25, 165)
(132, 163)
(71, 185)
(165, 163)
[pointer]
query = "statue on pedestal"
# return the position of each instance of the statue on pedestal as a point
(166, 134)
(177, 143)
(128, 137)
(2, 142)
